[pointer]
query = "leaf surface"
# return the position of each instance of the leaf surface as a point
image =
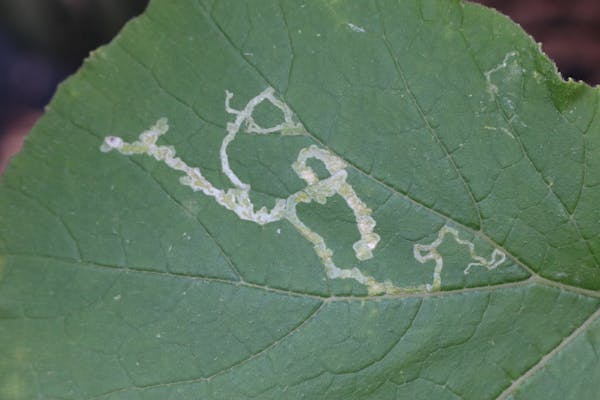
(430, 228)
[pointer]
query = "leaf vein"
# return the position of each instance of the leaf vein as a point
(546, 358)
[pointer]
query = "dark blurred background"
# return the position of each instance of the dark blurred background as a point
(41, 43)
(44, 41)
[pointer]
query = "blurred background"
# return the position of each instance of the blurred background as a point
(44, 41)
(41, 43)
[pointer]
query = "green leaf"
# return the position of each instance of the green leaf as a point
(430, 229)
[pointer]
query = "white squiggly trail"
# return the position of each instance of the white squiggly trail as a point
(431, 253)
(237, 198)
(492, 88)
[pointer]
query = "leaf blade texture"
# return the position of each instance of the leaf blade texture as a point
(430, 227)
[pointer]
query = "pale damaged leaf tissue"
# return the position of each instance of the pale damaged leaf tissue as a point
(306, 200)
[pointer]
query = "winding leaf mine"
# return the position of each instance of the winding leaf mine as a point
(237, 198)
